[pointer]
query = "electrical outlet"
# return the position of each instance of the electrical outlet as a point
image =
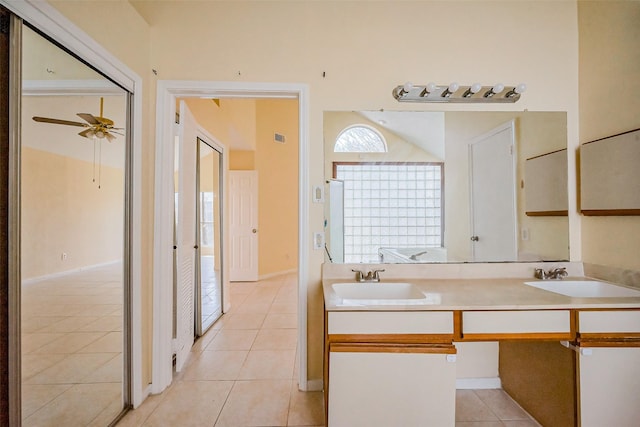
(318, 240)
(524, 234)
(63, 257)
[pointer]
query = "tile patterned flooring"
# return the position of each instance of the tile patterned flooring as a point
(243, 371)
(72, 349)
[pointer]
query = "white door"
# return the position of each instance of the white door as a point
(493, 199)
(185, 235)
(336, 220)
(243, 226)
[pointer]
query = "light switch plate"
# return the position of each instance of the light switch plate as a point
(318, 240)
(318, 194)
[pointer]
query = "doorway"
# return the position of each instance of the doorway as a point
(198, 267)
(168, 92)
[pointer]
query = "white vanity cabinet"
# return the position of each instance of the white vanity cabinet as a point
(608, 368)
(390, 369)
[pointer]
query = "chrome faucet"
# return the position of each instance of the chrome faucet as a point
(558, 273)
(414, 257)
(370, 276)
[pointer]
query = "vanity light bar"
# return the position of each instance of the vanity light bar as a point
(455, 93)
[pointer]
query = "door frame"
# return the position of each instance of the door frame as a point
(167, 92)
(52, 23)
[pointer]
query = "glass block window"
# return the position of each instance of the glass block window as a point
(360, 139)
(390, 205)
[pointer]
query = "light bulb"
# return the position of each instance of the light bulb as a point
(431, 86)
(475, 88)
(520, 88)
(499, 87)
(453, 87)
(99, 134)
(407, 87)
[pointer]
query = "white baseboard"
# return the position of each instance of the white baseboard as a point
(276, 274)
(66, 272)
(146, 392)
(478, 383)
(315, 385)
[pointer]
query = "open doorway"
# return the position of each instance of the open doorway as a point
(213, 92)
(258, 138)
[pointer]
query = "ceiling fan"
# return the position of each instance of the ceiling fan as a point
(97, 127)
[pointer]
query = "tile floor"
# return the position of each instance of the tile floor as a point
(72, 349)
(243, 373)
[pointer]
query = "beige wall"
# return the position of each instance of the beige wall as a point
(277, 166)
(609, 104)
(64, 211)
(242, 160)
(529, 41)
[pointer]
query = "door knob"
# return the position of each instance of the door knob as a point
(474, 238)
(254, 231)
(195, 247)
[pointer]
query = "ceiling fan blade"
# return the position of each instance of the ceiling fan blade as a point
(109, 137)
(117, 133)
(87, 133)
(104, 121)
(59, 122)
(89, 118)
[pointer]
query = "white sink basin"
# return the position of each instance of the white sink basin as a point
(585, 288)
(380, 293)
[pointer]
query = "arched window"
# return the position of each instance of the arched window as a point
(360, 139)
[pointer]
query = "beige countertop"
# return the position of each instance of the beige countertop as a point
(481, 294)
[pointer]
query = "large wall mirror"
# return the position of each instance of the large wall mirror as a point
(421, 187)
(74, 250)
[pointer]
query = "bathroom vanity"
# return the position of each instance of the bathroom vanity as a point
(390, 353)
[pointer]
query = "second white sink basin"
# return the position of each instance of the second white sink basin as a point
(584, 288)
(380, 293)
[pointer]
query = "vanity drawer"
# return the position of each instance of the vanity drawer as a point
(517, 323)
(614, 321)
(387, 322)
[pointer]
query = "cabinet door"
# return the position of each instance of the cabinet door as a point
(609, 386)
(390, 387)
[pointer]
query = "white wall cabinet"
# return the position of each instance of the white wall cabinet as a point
(545, 184)
(609, 175)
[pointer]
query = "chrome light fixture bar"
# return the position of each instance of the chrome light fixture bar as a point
(475, 93)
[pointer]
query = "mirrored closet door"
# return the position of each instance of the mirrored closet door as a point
(74, 265)
(209, 281)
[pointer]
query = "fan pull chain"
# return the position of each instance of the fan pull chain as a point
(99, 164)
(94, 159)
